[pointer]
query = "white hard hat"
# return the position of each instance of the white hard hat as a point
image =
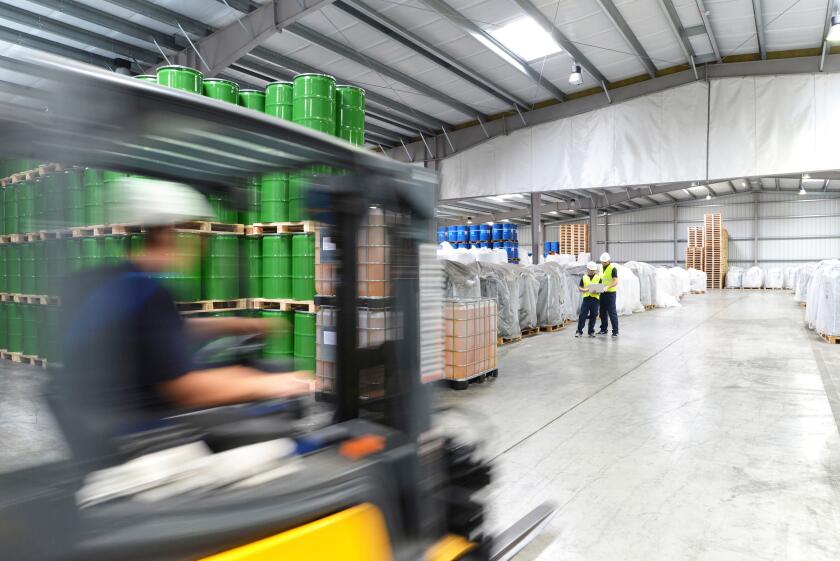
(592, 266)
(605, 256)
(152, 202)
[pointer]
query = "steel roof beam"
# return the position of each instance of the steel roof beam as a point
(382, 132)
(630, 38)
(701, 6)
(758, 17)
(39, 43)
(395, 31)
(494, 45)
(165, 15)
(357, 56)
(416, 119)
(111, 21)
(37, 21)
(676, 26)
(215, 52)
(559, 38)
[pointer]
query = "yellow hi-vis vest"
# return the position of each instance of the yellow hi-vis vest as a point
(587, 281)
(607, 277)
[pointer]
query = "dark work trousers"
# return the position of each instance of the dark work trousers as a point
(588, 310)
(608, 309)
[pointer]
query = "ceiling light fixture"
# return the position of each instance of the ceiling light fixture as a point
(504, 220)
(708, 196)
(489, 223)
(469, 220)
(553, 212)
(527, 39)
(834, 31)
(802, 191)
(743, 184)
(576, 77)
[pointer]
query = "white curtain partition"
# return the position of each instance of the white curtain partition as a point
(759, 126)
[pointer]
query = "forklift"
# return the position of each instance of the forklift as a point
(377, 481)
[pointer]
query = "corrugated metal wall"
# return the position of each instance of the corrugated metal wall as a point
(790, 229)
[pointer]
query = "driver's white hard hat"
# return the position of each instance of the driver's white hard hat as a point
(152, 202)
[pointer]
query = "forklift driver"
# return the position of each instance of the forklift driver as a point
(125, 347)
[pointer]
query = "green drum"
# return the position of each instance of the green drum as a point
(116, 249)
(26, 206)
(13, 268)
(278, 100)
(252, 99)
(252, 250)
(252, 215)
(27, 268)
(42, 270)
(136, 244)
(274, 197)
(74, 211)
(10, 210)
(53, 200)
(56, 265)
(92, 252)
(15, 327)
(304, 341)
(94, 197)
(4, 326)
(3, 272)
(223, 90)
(221, 267)
(147, 78)
(350, 114)
(185, 284)
(280, 342)
(180, 78)
(2, 210)
(313, 102)
(73, 255)
(303, 267)
(277, 266)
(221, 211)
(110, 197)
(298, 182)
(29, 316)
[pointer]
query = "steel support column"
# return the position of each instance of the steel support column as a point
(755, 227)
(676, 236)
(593, 233)
(536, 228)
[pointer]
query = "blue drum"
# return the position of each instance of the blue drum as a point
(485, 245)
(507, 232)
(497, 234)
(475, 230)
(514, 232)
(547, 247)
(484, 233)
(498, 245)
(441, 234)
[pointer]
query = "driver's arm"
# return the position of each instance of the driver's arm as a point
(233, 384)
(211, 328)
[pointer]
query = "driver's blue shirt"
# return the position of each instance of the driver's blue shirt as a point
(121, 338)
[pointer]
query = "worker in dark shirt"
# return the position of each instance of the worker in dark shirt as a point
(126, 349)
(589, 305)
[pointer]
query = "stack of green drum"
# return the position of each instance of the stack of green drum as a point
(42, 270)
(227, 91)
(10, 210)
(220, 270)
(274, 188)
(13, 268)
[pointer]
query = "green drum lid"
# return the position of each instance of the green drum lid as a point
(280, 341)
(274, 197)
(277, 266)
(221, 89)
(180, 78)
(147, 78)
(304, 341)
(252, 99)
(278, 100)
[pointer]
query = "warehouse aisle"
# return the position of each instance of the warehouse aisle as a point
(703, 433)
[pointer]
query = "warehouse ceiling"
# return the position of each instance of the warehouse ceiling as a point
(564, 205)
(427, 65)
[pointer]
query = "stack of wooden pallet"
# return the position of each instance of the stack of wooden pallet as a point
(574, 239)
(716, 250)
(694, 252)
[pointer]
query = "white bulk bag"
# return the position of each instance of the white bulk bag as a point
(734, 277)
(775, 278)
(697, 280)
(753, 278)
(665, 292)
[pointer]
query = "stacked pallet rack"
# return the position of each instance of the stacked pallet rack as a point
(716, 250)
(694, 251)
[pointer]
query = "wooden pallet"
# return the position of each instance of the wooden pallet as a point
(464, 383)
(203, 227)
(23, 176)
(5, 181)
(282, 304)
(105, 230)
(552, 328)
(13, 356)
(803, 304)
(505, 341)
(212, 306)
(44, 169)
(45, 235)
(33, 360)
(649, 307)
(530, 332)
(12, 238)
(262, 228)
(40, 299)
(833, 339)
(698, 292)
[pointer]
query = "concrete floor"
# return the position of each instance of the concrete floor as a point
(704, 433)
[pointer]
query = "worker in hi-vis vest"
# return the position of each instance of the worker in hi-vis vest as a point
(589, 305)
(609, 276)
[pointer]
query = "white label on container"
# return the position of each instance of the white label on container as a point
(327, 244)
(329, 337)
